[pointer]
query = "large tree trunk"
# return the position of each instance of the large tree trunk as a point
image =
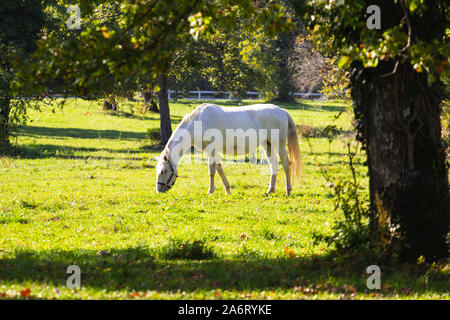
(149, 102)
(4, 123)
(399, 117)
(164, 111)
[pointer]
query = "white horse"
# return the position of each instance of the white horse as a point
(233, 130)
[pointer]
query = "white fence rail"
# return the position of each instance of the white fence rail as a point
(207, 95)
(225, 95)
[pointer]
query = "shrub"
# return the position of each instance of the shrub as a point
(189, 250)
(154, 135)
(351, 233)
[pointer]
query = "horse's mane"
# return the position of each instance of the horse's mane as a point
(186, 118)
(165, 152)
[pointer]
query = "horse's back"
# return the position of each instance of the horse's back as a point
(250, 113)
(258, 121)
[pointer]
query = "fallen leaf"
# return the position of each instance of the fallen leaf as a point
(25, 292)
(289, 251)
(136, 294)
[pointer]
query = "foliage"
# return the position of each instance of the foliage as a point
(142, 40)
(187, 249)
(445, 117)
(445, 121)
(153, 134)
(344, 25)
(237, 59)
(20, 27)
(351, 233)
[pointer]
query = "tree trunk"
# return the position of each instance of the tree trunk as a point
(110, 104)
(4, 123)
(400, 125)
(164, 111)
(149, 102)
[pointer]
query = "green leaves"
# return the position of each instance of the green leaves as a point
(343, 61)
(198, 24)
(413, 5)
(411, 31)
(121, 41)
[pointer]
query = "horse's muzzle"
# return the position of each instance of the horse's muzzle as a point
(162, 188)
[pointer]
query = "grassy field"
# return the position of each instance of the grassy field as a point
(78, 188)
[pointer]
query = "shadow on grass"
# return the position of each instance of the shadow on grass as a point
(146, 116)
(304, 106)
(151, 148)
(123, 114)
(32, 131)
(139, 269)
(42, 151)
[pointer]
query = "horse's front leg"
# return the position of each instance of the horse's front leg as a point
(224, 179)
(273, 162)
(212, 171)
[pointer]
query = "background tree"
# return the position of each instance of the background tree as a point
(145, 41)
(315, 67)
(395, 82)
(147, 87)
(240, 60)
(283, 77)
(20, 25)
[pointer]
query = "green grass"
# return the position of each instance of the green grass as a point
(79, 188)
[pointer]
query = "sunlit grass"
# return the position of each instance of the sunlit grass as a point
(79, 188)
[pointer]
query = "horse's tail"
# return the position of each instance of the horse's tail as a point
(295, 160)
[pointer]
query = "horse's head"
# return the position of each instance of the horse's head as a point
(166, 173)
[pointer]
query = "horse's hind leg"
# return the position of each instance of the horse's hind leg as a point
(224, 179)
(212, 171)
(273, 172)
(273, 161)
(285, 163)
